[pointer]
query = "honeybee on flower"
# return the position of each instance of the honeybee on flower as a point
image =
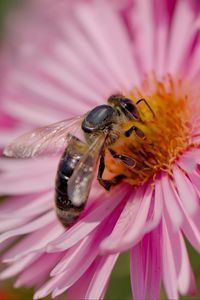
(104, 48)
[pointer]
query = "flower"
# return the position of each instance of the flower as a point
(66, 66)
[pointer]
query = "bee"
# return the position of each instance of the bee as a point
(101, 128)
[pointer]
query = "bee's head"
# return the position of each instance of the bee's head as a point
(124, 106)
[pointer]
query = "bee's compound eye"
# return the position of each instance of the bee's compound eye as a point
(129, 108)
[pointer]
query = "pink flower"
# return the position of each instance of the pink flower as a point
(64, 66)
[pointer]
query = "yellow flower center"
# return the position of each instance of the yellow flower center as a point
(167, 131)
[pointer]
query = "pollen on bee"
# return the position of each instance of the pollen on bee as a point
(166, 122)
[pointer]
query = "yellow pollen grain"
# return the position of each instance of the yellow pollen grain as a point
(167, 134)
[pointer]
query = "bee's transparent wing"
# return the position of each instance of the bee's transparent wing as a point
(44, 140)
(80, 182)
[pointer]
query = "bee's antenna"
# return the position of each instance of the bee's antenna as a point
(147, 104)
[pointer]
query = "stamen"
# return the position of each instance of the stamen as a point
(167, 130)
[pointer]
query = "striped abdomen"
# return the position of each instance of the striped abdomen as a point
(66, 211)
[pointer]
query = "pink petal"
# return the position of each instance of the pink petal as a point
(137, 268)
(154, 265)
(30, 276)
(191, 228)
(156, 210)
(7, 224)
(29, 227)
(144, 35)
(161, 35)
(189, 164)
(186, 191)
(94, 24)
(28, 205)
(186, 281)
(178, 44)
(146, 266)
(18, 266)
(171, 202)
(127, 232)
(81, 287)
(91, 220)
(83, 49)
(169, 271)
(34, 242)
(101, 277)
(75, 255)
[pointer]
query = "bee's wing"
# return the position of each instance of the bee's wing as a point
(80, 182)
(48, 139)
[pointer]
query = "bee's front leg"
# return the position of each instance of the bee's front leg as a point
(137, 131)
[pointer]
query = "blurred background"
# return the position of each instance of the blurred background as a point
(119, 287)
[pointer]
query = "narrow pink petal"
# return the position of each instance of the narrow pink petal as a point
(169, 270)
(191, 228)
(29, 227)
(137, 272)
(90, 221)
(101, 277)
(126, 218)
(61, 282)
(156, 210)
(78, 253)
(178, 44)
(48, 287)
(74, 266)
(155, 265)
(45, 88)
(8, 224)
(189, 163)
(33, 114)
(194, 67)
(74, 255)
(30, 276)
(186, 191)
(146, 266)
(144, 35)
(18, 266)
(170, 202)
(60, 74)
(80, 288)
(114, 34)
(161, 35)
(68, 57)
(22, 166)
(186, 282)
(185, 277)
(24, 185)
(132, 228)
(83, 49)
(93, 24)
(28, 205)
(34, 242)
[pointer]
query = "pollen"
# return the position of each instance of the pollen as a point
(166, 122)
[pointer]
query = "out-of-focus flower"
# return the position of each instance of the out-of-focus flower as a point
(64, 66)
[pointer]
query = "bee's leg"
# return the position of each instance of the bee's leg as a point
(137, 130)
(105, 183)
(125, 159)
(147, 104)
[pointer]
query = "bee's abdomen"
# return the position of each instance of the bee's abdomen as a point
(66, 211)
